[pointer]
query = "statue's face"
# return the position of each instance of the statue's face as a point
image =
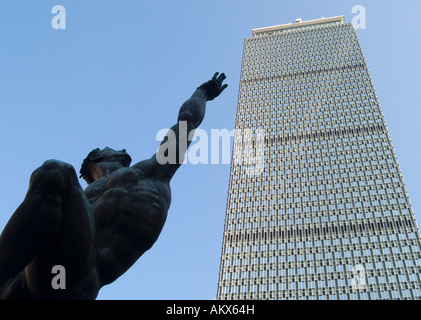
(109, 161)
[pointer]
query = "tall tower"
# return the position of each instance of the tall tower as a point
(328, 216)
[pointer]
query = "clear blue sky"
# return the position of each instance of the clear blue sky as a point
(120, 72)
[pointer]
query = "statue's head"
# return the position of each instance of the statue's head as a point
(99, 162)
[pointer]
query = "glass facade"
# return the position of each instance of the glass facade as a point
(328, 216)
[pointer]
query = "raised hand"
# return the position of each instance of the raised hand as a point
(214, 87)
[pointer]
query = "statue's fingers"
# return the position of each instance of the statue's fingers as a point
(221, 78)
(223, 87)
(215, 76)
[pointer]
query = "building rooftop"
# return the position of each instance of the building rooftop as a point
(298, 24)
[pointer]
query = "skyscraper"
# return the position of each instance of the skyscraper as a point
(328, 216)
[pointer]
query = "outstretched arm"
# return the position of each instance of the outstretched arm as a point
(171, 152)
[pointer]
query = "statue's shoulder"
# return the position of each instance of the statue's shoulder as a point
(146, 168)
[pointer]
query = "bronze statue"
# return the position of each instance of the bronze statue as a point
(98, 233)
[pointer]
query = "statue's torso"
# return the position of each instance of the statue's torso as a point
(129, 208)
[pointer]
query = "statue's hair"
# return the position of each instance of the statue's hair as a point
(96, 156)
(85, 170)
